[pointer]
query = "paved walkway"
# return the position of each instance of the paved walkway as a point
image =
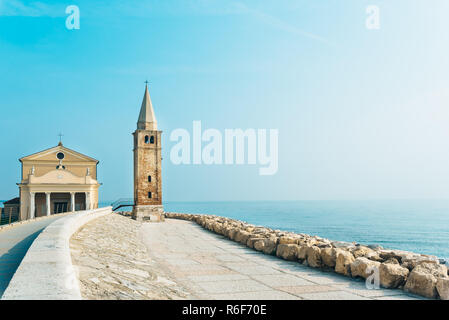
(113, 263)
(14, 244)
(213, 267)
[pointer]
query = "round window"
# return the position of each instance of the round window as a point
(60, 155)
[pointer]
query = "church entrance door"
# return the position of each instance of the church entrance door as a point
(60, 207)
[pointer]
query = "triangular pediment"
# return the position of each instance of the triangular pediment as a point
(51, 155)
(61, 177)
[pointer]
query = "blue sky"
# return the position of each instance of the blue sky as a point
(361, 114)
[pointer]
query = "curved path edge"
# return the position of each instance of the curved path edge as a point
(46, 272)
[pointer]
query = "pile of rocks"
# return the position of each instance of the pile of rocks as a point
(420, 274)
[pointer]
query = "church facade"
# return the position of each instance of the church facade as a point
(147, 165)
(57, 180)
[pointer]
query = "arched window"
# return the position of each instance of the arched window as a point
(149, 178)
(152, 139)
(147, 139)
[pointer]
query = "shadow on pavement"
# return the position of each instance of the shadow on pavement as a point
(10, 261)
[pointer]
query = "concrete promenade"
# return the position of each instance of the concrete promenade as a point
(113, 263)
(212, 267)
(14, 244)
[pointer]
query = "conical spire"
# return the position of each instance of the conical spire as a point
(147, 120)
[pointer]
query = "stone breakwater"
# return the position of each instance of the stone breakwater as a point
(420, 274)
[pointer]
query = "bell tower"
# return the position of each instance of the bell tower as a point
(147, 165)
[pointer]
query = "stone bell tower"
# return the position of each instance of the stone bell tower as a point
(147, 165)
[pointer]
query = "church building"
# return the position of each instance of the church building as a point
(57, 180)
(147, 165)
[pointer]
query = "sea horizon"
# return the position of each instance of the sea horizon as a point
(417, 225)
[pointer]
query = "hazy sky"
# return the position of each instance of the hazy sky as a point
(361, 113)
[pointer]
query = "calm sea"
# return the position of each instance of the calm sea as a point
(420, 226)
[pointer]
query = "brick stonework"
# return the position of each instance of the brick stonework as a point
(147, 162)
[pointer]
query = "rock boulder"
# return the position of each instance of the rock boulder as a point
(343, 262)
(287, 251)
(314, 257)
(361, 251)
(302, 253)
(423, 279)
(443, 288)
(392, 275)
(267, 246)
(361, 265)
(288, 240)
(328, 257)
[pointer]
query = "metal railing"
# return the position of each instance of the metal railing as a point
(12, 214)
(9, 215)
(120, 203)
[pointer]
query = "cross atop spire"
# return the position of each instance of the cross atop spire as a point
(60, 139)
(147, 119)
